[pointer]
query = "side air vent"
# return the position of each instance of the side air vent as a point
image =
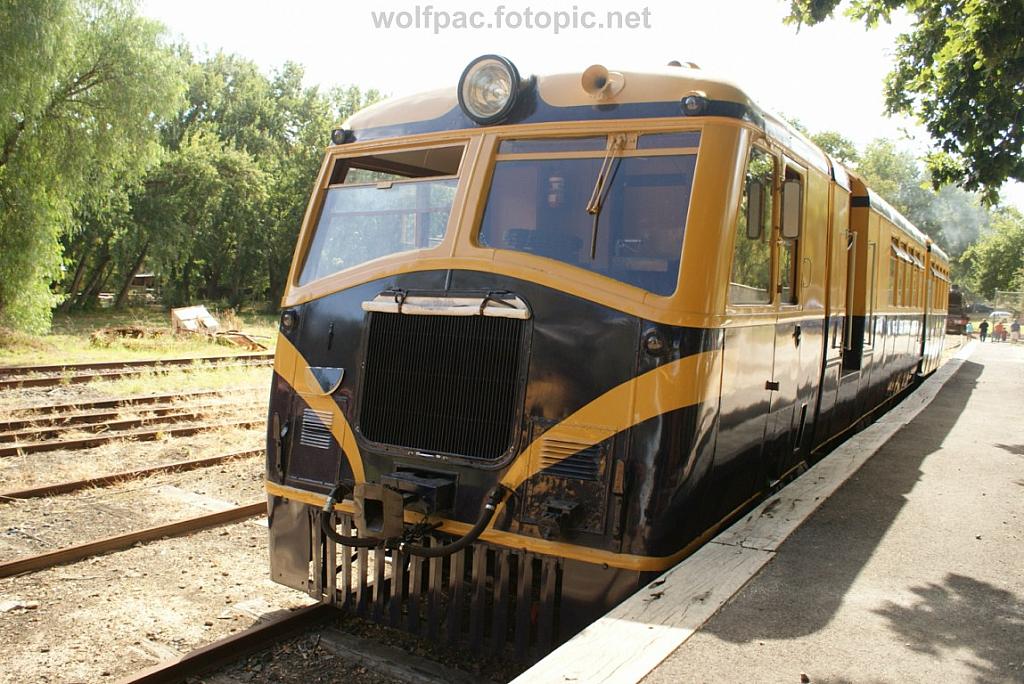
(569, 459)
(316, 429)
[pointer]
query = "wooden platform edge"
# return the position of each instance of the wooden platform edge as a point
(634, 638)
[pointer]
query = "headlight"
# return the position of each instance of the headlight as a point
(489, 89)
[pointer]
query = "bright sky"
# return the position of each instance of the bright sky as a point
(829, 76)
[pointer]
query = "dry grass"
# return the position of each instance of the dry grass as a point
(71, 339)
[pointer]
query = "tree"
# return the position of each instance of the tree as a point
(81, 82)
(840, 148)
(961, 72)
(996, 261)
(952, 216)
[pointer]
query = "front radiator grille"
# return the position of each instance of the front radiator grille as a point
(442, 384)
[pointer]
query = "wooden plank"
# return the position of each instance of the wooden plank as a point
(123, 541)
(632, 639)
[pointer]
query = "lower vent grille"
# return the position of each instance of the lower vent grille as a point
(569, 459)
(316, 429)
(442, 384)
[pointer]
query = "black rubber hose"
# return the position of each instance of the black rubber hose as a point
(495, 497)
(326, 514)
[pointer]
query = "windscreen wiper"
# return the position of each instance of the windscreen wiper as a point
(601, 187)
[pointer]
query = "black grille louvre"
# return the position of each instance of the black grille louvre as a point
(442, 384)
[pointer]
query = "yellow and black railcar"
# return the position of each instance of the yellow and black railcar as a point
(543, 336)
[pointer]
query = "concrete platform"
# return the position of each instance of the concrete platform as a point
(912, 570)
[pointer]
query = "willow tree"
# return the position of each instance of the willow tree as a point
(82, 83)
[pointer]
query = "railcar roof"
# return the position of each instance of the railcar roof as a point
(560, 97)
(652, 93)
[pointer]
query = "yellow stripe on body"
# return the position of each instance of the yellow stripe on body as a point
(290, 365)
(624, 561)
(673, 386)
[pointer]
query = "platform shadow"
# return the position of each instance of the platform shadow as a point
(964, 613)
(800, 591)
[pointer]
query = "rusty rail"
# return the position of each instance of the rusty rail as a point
(114, 478)
(56, 410)
(165, 415)
(124, 541)
(232, 647)
(140, 435)
(60, 420)
(113, 365)
(9, 382)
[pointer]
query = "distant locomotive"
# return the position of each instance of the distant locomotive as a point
(956, 314)
(543, 337)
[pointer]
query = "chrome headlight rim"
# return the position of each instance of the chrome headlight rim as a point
(515, 88)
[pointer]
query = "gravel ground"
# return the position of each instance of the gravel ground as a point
(40, 525)
(111, 615)
(32, 470)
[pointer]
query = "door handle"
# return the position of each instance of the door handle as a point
(771, 386)
(796, 335)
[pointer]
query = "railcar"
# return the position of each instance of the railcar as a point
(543, 337)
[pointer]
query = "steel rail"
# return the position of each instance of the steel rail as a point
(232, 647)
(140, 435)
(49, 381)
(124, 541)
(56, 410)
(114, 478)
(169, 414)
(107, 365)
(102, 415)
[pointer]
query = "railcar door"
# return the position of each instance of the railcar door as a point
(780, 435)
(749, 342)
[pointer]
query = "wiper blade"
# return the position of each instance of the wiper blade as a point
(597, 197)
(601, 186)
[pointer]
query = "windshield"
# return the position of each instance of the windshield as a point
(381, 205)
(634, 233)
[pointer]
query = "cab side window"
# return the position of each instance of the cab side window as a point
(789, 248)
(751, 278)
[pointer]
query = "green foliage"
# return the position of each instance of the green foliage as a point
(80, 83)
(952, 217)
(217, 217)
(996, 261)
(961, 73)
(840, 148)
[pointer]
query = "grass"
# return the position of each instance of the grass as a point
(71, 339)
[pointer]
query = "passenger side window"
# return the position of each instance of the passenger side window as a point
(751, 278)
(789, 256)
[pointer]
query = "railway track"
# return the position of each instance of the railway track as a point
(233, 647)
(46, 376)
(58, 488)
(19, 448)
(42, 410)
(118, 542)
(29, 430)
(106, 410)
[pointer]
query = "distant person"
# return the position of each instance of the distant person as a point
(1015, 332)
(983, 330)
(999, 332)
(969, 330)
